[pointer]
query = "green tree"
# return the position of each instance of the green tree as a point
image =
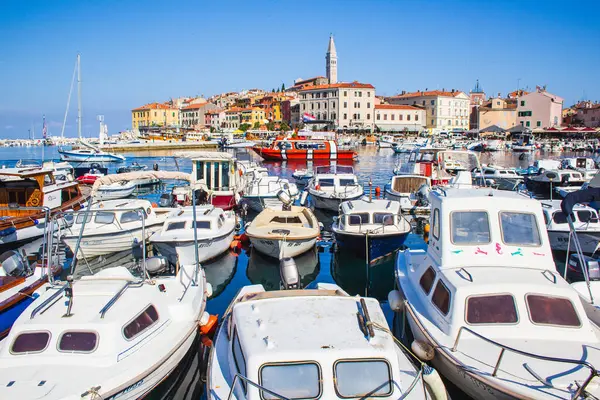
(284, 126)
(244, 127)
(283, 87)
(270, 125)
(256, 125)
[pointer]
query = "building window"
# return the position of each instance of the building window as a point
(393, 116)
(432, 102)
(539, 123)
(324, 105)
(368, 94)
(401, 117)
(416, 117)
(345, 93)
(432, 122)
(522, 103)
(408, 117)
(385, 117)
(527, 123)
(345, 116)
(378, 117)
(359, 94)
(368, 105)
(369, 116)
(319, 106)
(345, 104)
(312, 106)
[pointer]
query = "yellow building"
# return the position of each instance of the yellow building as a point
(252, 115)
(154, 114)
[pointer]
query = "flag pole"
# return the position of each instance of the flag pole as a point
(44, 134)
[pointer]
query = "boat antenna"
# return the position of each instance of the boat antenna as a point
(62, 132)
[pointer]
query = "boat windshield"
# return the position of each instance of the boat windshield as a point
(362, 378)
(470, 227)
(335, 169)
(450, 162)
(293, 380)
(520, 229)
(347, 182)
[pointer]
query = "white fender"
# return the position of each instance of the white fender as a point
(423, 350)
(209, 290)
(396, 301)
(204, 318)
(434, 383)
(303, 198)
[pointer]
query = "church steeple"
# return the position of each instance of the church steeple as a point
(331, 61)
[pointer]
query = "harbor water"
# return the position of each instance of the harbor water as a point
(229, 273)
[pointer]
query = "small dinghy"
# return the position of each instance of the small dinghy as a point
(281, 233)
(118, 190)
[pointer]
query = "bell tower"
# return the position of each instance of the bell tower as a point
(331, 62)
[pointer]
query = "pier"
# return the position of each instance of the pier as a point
(159, 145)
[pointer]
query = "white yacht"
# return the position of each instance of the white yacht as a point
(284, 233)
(485, 304)
(309, 344)
(585, 222)
(372, 228)
(116, 334)
(386, 142)
(114, 191)
(262, 190)
(495, 175)
(547, 182)
(215, 229)
(333, 184)
(408, 190)
(112, 226)
(302, 176)
(585, 165)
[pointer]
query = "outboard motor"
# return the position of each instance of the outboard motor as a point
(286, 199)
(166, 200)
(290, 277)
(156, 265)
(575, 268)
(422, 195)
(13, 264)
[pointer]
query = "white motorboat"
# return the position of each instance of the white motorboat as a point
(117, 334)
(410, 191)
(262, 191)
(585, 220)
(312, 343)
(284, 233)
(333, 184)
(585, 165)
(386, 142)
(215, 229)
(372, 228)
(136, 167)
(546, 182)
(112, 226)
(302, 176)
(485, 304)
(117, 190)
(523, 143)
(495, 175)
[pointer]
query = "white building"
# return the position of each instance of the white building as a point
(539, 109)
(445, 111)
(192, 116)
(344, 105)
(398, 118)
(215, 118)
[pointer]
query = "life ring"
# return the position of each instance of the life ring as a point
(34, 200)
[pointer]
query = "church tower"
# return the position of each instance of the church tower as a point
(331, 62)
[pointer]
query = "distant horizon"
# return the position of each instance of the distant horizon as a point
(210, 48)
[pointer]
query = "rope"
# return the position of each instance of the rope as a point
(387, 330)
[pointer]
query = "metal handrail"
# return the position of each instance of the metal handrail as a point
(580, 389)
(48, 300)
(114, 299)
(256, 385)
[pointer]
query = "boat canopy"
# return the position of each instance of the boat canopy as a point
(129, 176)
(588, 195)
(204, 155)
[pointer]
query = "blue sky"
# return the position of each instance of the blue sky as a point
(135, 52)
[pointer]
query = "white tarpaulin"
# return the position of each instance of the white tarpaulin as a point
(130, 176)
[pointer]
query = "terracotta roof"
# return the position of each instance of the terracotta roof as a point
(195, 106)
(215, 111)
(395, 107)
(153, 106)
(234, 109)
(428, 93)
(345, 85)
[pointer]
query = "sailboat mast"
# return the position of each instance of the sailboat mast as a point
(79, 95)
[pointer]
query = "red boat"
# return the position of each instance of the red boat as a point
(298, 149)
(88, 179)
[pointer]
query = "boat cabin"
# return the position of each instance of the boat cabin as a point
(439, 164)
(272, 341)
(584, 216)
(363, 215)
(334, 176)
(216, 170)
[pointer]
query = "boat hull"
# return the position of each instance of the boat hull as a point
(269, 154)
(259, 203)
(379, 245)
(114, 194)
(107, 243)
(330, 203)
(590, 241)
(286, 248)
(185, 253)
(74, 156)
(27, 234)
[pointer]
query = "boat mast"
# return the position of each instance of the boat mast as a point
(62, 132)
(79, 95)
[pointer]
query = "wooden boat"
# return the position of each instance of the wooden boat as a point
(296, 149)
(32, 188)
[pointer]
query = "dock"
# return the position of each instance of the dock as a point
(158, 145)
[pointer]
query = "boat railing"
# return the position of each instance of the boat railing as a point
(237, 378)
(117, 295)
(504, 348)
(270, 185)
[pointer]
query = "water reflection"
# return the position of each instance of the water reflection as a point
(356, 277)
(265, 270)
(220, 272)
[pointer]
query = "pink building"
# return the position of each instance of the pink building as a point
(539, 109)
(588, 114)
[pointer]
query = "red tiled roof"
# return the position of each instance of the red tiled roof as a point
(395, 107)
(153, 106)
(348, 85)
(428, 93)
(194, 106)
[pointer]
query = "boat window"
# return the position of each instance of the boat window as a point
(130, 216)
(520, 229)
(586, 216)
(357, 219)
(286, 220)
(548, 310)
(470, 227)
(238, 358)
(140, 323)
(293, 380)
(362, 379)
(30, 342)
(427, 279)
(325, 182)
(495, 309)
(175, 225)
(82, 216)
(559, 217)
(383, 218)
(225, 175)
(347, 182)
(199, 170)
(78, 342)
(201, 225)
(436, 223)
(441, 297)
(104, 218)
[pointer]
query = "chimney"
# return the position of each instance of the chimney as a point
(498, 94)
(452, 90)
